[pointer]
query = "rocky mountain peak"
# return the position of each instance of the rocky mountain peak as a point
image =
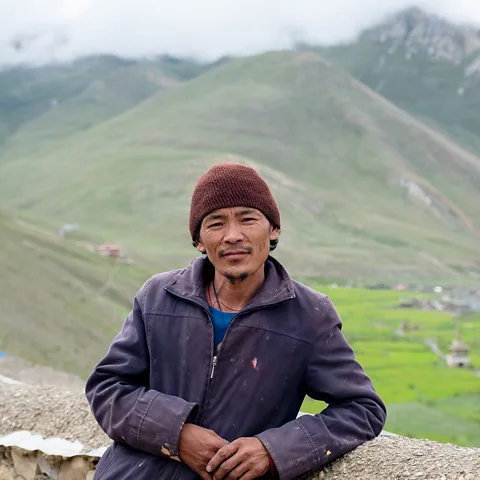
(418, 31)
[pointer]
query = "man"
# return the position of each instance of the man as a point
(207, 376)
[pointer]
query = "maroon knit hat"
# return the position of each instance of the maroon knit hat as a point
(228, 185)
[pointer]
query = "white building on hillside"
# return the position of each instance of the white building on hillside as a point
(458, 356)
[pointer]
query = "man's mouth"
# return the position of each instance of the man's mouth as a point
(235, 253)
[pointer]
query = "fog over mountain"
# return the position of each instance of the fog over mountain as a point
(47, 30)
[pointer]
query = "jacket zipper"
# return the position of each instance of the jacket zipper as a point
(215, 357)
(252, 309)
(214, 364)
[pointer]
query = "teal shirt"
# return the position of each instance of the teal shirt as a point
(221, 320)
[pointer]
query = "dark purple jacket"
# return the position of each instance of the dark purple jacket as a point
(285, 344)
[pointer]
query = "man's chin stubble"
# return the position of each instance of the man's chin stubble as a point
(236, 278)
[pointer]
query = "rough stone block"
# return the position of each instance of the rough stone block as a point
(74, 469)
(25, 464)
(45, 467)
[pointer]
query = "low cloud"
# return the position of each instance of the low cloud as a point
(45, 30)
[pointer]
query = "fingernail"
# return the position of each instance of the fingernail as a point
(209, 468)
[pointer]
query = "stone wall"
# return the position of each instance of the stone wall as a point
(386, 458)
(49, 433)
(20, 464)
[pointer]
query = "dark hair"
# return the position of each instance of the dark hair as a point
(273, 243)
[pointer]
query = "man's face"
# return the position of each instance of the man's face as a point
(236, 240)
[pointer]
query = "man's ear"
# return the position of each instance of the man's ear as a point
(274, 233)
(201, 247)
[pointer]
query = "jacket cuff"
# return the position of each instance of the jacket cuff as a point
(291, 449)
(161, 424)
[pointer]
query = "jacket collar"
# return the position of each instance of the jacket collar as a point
(190, 282)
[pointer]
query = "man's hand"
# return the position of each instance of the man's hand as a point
(197, 446)
(245, 457)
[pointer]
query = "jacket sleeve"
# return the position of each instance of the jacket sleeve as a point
(121, 402)
(355, 413)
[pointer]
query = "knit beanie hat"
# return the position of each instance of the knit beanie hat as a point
(228, 185)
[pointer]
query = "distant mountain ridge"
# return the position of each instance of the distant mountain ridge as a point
(417, 31)
(422, 63)
(105, 84)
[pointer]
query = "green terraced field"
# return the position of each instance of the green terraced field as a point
(424, 397)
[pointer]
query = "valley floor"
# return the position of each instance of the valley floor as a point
(424, 397)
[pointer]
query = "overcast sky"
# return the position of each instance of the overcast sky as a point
(206, 28)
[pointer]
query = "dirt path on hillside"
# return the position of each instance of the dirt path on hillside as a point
(458, 152)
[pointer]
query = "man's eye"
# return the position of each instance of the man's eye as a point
(214, 225)
(248, 219)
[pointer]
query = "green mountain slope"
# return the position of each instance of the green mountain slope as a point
(45, 103)
(100, 100)
(424, 65)
(26, 92)
(61, 304)
(366, 191)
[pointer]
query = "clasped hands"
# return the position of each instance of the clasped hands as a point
(213, 458)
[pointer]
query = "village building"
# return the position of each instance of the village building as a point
(458, 356)
(110, 250)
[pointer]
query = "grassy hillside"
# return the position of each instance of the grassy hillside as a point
(60, 304)
(437, 92)
(49, 102)
(26, 93)
(100, 100)
(334, 152)
(425, 398)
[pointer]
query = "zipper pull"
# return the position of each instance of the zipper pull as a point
(214, 364)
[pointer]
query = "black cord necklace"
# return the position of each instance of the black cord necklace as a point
(218, 301)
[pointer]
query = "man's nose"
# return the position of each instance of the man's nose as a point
(233, 234)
